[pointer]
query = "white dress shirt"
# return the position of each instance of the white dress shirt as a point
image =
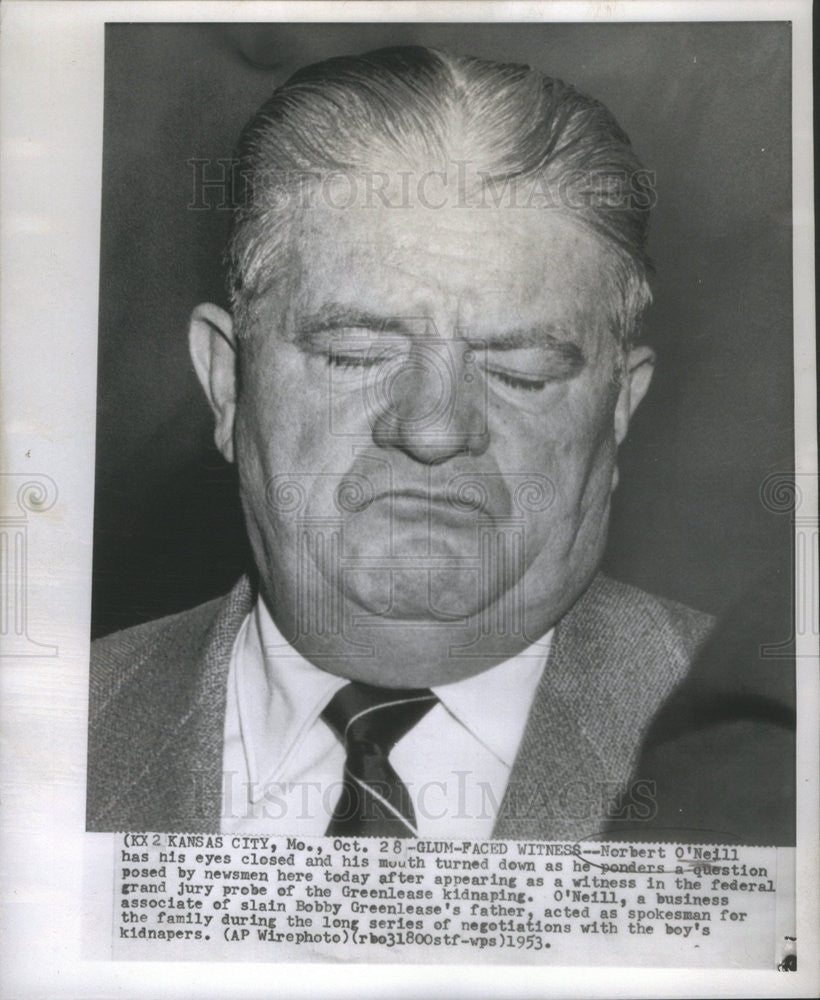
(283, 764)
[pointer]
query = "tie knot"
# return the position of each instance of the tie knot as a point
(362, 714)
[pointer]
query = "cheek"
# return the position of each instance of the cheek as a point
(572, 430)
(586, 455)
(569, 450)
(279, 410)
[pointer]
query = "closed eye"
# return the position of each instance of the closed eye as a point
(368, 360)
(531, 367)
(518, 381)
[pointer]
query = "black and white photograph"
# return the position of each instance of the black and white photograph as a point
(430, 566)
(409, 537)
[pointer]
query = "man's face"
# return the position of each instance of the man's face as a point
(426, 424)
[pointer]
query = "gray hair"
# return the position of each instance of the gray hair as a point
(520, 131)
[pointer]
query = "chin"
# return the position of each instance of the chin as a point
(423, 595)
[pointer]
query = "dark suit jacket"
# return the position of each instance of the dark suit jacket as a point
(158, 696)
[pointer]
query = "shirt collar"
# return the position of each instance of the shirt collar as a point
(280, 695)
(495, 704)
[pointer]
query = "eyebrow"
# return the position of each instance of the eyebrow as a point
(332, 318)
(539, 336)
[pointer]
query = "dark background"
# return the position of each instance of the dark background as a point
(707, 107)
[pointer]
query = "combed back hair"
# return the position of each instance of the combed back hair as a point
(503, 133)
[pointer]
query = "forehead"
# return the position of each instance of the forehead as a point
(463, 267)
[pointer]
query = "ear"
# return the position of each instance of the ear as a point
(213, 352)
(640, 366)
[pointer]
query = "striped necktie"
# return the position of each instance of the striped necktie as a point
(374, 801)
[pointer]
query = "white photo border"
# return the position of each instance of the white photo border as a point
(52, 114)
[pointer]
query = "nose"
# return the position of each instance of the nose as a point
(430, 405)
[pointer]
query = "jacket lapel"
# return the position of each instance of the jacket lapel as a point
(198, 759)
(558, 764)
(179, 784)
(599, 686)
